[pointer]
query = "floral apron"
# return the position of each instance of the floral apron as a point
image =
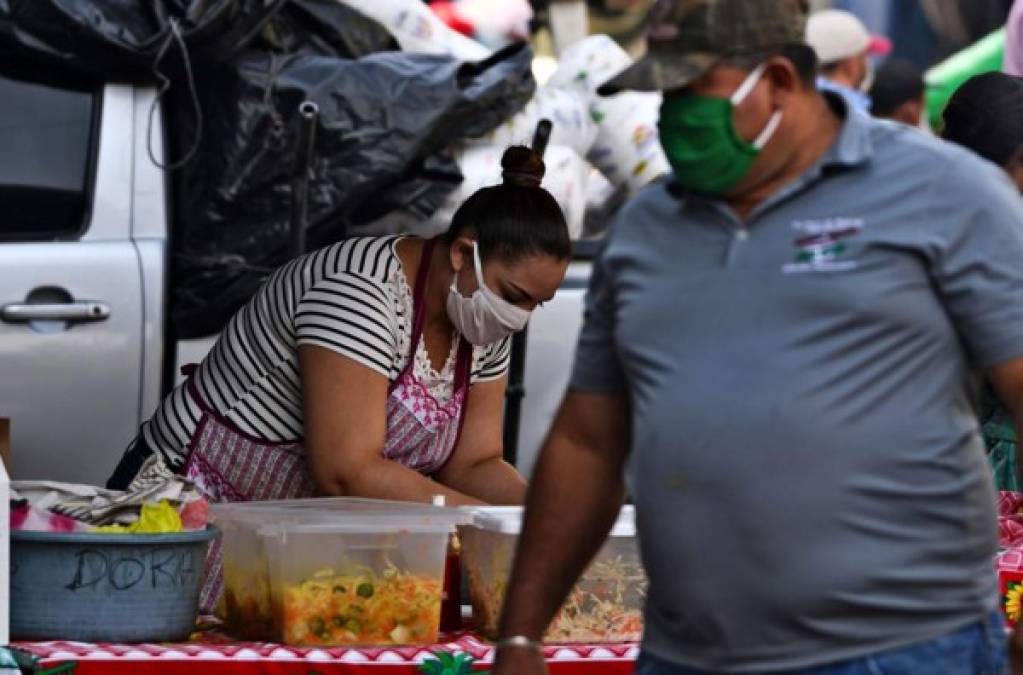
(228, 465)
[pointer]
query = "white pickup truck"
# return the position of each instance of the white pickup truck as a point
(84, 353)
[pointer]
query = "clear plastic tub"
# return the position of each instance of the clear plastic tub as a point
(376, 579)
(605, 606)
(247, 609)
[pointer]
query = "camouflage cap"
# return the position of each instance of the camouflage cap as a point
(687, 37)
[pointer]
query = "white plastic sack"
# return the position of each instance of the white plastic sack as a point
(497, 23)
(417, 29)
(567, 111)
(627, 149)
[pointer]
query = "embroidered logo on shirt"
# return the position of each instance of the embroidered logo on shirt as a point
(823, 245)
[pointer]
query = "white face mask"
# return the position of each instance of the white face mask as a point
(868, 77)
(484, 317)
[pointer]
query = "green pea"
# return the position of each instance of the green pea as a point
(365, 590)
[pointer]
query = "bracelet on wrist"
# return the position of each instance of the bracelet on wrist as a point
(519, 642)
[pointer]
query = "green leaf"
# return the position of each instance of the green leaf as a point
(447, 663)
(431, 668)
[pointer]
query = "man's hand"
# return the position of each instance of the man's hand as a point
(520, 662)
(1016, 651)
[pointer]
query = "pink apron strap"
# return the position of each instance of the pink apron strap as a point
(463, 379)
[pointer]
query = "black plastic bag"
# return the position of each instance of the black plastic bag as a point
(385, 123)
(324, 27)
(119, 39)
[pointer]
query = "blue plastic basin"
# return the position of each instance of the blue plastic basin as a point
(106, 587)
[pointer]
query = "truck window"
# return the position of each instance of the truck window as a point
(47, 137)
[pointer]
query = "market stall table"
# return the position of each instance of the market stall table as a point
(213, 654)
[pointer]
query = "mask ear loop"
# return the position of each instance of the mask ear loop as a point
(744, 90)
(478, 264)
(768, 132)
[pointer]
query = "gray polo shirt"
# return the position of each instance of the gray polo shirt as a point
(810, 481)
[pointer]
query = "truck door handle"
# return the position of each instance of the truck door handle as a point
(72, 311)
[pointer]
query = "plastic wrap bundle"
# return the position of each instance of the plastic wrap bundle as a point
(626, 150)
(496, 23)
(417, 29)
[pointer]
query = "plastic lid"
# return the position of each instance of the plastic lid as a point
(373, 523)
(508, 520)
(328, 508)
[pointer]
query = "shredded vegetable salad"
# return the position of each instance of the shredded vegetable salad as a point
(606, 605)
(362, 607)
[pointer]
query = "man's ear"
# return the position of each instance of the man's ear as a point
(910, 112)
(785, 80)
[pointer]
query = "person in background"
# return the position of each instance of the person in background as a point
(1013, 60)
(986, 115)
(778, 364)
(844, 49)
(898, 93)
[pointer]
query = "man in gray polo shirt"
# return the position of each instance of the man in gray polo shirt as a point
(780, 359)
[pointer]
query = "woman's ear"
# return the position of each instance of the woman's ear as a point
(460, 253)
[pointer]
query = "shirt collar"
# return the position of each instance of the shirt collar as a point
(853, 146)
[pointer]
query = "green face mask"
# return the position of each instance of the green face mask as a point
(699, 138)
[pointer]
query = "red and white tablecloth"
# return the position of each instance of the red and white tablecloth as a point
(215, 656)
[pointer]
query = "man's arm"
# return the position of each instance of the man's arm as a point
(574, 499)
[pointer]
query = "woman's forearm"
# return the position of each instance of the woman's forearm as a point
(386, 479)
(493, 481)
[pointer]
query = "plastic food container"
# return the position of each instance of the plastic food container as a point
(605, 606)
(374, 579)
(106, 587)
(248, 613)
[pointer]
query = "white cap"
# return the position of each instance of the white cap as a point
(836, 35)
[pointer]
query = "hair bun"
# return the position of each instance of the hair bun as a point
(522, 166)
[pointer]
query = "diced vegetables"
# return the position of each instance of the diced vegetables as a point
(361, 607)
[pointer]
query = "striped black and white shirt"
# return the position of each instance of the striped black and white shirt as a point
(351, 298)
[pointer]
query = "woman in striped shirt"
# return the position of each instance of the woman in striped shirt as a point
(375, 367)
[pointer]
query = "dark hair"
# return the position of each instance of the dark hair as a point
(802, 57)
(517, 218)
(986, 115)
(897, 82)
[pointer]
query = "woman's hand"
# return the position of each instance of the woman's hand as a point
(477, 467)
(345, 417)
